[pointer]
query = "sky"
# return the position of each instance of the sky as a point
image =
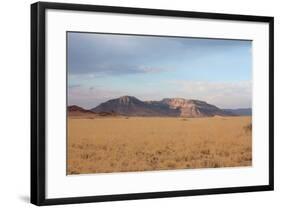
(107, 66)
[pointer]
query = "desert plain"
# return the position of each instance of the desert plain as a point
(125, 144)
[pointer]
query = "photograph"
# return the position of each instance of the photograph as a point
(147, 103)
(131, 103)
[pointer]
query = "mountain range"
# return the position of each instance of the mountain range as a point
(240, 111)
(167, 107)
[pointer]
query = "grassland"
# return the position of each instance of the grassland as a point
(120, 144)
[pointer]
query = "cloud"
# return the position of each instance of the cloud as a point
(105, 54)
(223, 94)
(119, 69)
(112, 54)
(89, 97)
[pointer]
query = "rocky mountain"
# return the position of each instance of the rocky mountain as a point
(240, 111)
(194, 108)
(131, 106)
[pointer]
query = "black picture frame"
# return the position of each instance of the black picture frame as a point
(38, 106)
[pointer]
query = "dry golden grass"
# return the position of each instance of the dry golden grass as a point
(119, 144)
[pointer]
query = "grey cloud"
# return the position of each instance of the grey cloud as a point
(104, 54)
(90, 53)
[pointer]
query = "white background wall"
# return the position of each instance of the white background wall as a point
(15, 96)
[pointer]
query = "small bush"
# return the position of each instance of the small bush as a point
(248, 128)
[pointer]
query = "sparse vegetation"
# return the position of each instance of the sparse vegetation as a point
(118, 144)
(248, 128)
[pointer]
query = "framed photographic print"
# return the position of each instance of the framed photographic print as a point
(134, 103)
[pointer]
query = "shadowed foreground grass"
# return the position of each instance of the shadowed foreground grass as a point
(121, 144)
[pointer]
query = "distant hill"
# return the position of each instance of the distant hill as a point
(240, 111)
(75, 110)
(131, 106)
